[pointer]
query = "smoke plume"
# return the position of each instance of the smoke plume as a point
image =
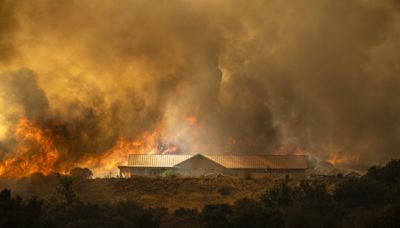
(207, 76)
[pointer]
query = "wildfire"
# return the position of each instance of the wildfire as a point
(336, 158)
(148, 143)
(35, 152)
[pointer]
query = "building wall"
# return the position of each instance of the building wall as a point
(202, 168)
(266, 173)
(127, 172)
(198, 166)
(279, 174)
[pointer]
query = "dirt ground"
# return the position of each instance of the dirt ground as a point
(168, 192)
(173, 193)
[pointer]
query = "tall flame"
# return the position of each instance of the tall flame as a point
(35, 152)
(154, 142)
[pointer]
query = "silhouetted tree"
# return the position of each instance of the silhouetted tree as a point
(81, 173)
(65, 188)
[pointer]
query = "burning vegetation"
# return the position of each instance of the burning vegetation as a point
(34, 153)
(144, 77)
(85, 83)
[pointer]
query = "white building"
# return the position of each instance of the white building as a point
(255, 166)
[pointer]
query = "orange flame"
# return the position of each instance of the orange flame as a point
(35, 152)
(149, 143)
(335, 158)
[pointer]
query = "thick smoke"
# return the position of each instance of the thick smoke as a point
(8, 25)
(21, 91)
(217, 76)
(20, 96)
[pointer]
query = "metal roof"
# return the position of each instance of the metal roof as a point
(228, 161)
(155, 160)
(261, 161)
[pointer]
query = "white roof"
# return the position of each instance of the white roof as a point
(227, 161)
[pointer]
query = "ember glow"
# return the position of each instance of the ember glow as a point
(343, 159)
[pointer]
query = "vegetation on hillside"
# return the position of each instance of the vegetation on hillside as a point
(370, 201)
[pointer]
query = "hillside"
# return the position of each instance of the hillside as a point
(171, 193)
